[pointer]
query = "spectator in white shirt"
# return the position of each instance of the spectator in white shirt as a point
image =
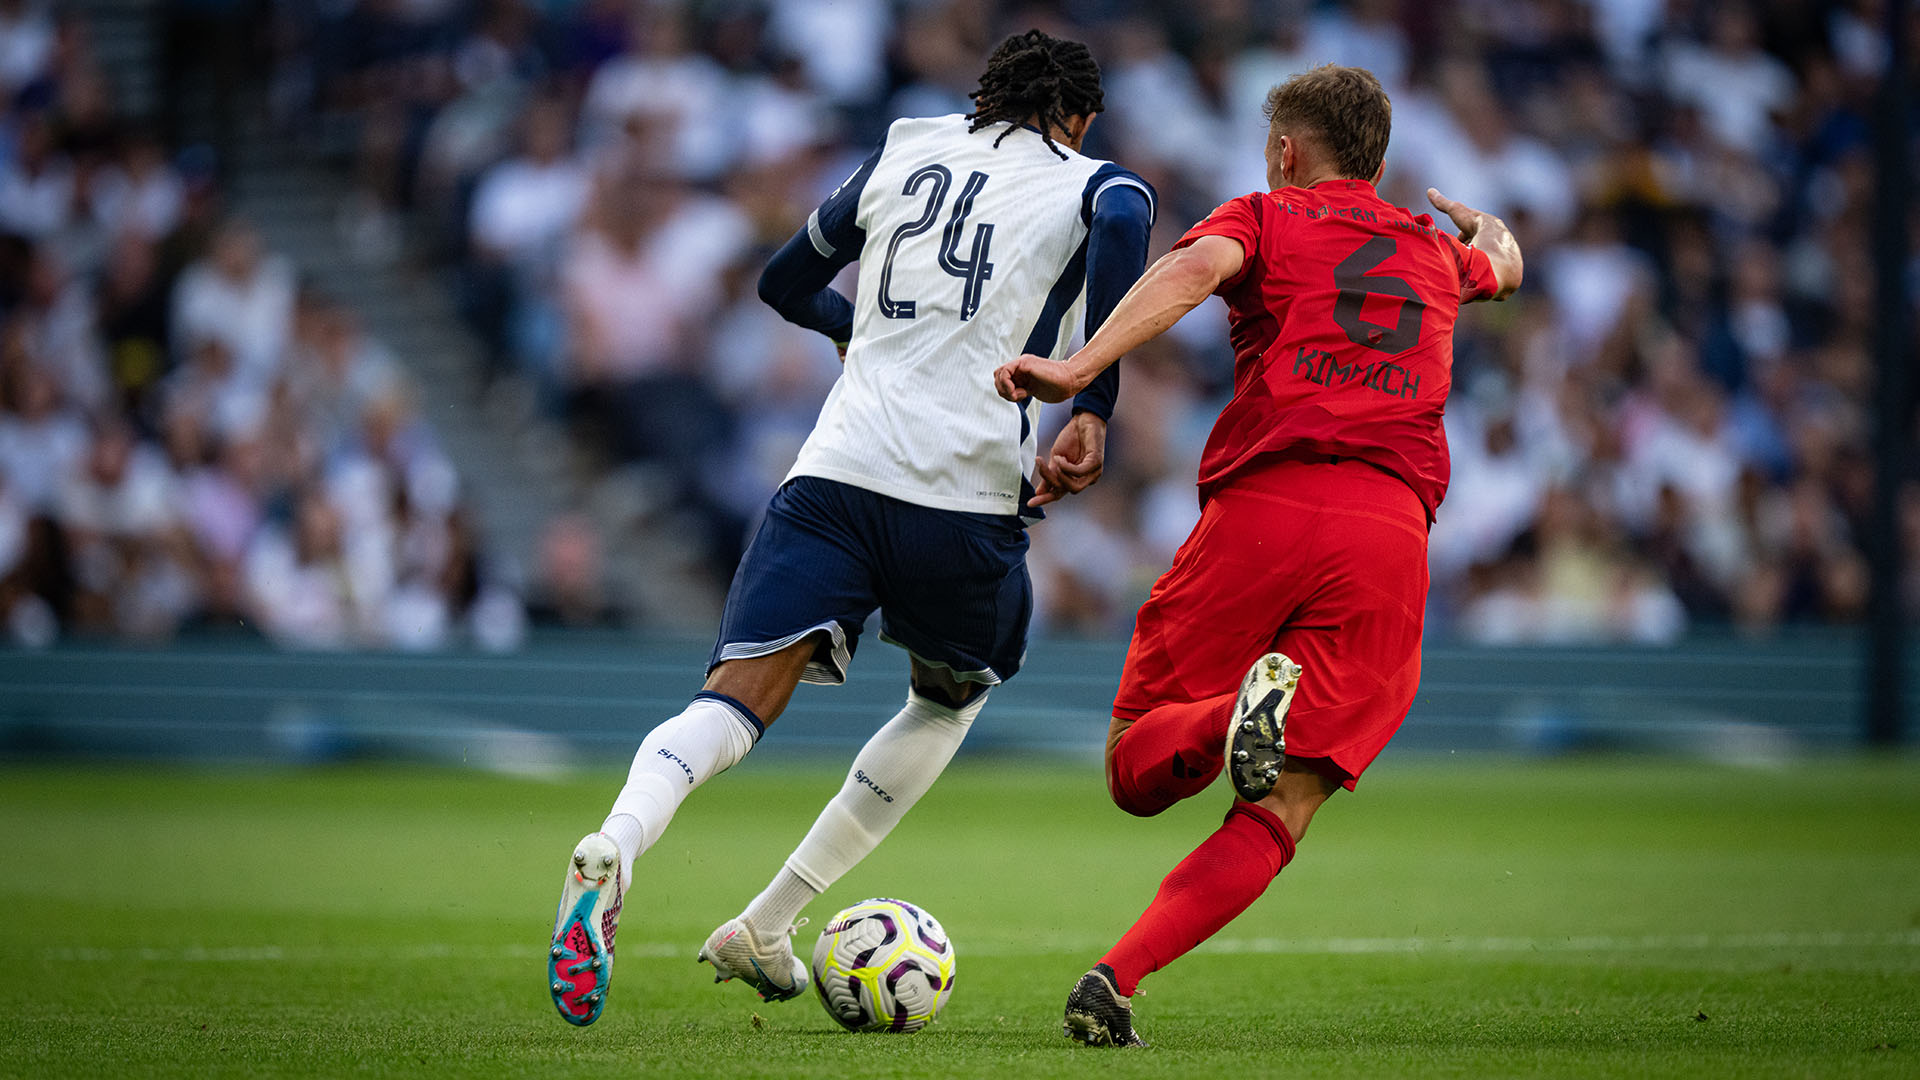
(522, 212)
(1251, 75)
(121, 490)
(36, 186)
(1736, 85)
(26, 44)
(335, 372)
(1159, 108)
(1366, 34)
(1495, 495)
(210, 385)
(40, 442)
(527, 204)
(1594, 280)
(320, 586)
(139, 194)
(237, 296)
(118, 510)
(1474, 148)
(662, 77)
(56, 323)
(841, 44)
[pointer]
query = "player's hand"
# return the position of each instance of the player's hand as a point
(1074, 464)
(1465, 218)
(1037, 377)
(1495, 240)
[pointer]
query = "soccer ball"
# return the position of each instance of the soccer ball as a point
(883, 965)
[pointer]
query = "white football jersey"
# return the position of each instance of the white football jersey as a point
(970, 254)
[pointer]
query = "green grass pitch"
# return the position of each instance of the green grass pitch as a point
(1454, 918)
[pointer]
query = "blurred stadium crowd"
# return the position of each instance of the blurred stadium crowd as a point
(188, 438)
(1668, 426)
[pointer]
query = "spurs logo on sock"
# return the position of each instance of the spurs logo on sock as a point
(868, 780)
(675, 758)
(679, 755)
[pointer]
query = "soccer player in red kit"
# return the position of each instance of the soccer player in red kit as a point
(1283, 645)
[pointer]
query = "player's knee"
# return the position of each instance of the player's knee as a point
(1119, 789)
(941, 688)
(1113, 785)
(1131, 801)
(1141, 807)
(946, 696)
(938, 711)
(763, 684)
(1137, 807)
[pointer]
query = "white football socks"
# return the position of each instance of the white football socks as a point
(779, 904)
(709, 737)
(896, 767)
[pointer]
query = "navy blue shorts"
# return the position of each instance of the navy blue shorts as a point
(952, 587)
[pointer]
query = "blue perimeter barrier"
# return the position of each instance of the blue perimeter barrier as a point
(574, 697)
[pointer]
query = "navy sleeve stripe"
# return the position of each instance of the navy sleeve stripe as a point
(1046, 330)
(819, 238)
(1109, 176)
(1153, 208)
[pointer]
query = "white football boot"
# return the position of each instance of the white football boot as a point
(580, 960)
(1256, 740)
(763, 961)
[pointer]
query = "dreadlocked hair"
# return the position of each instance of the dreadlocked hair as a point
(1036, 75)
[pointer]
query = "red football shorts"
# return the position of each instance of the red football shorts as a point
(1325, 561)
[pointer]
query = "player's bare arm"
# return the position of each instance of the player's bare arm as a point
(1174, 285)
(1484, 232)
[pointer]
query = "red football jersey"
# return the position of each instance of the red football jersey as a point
(1342, 327)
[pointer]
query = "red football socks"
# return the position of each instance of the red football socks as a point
(1218, 881)
(1171, 753)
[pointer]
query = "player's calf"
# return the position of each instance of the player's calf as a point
(1256, 739)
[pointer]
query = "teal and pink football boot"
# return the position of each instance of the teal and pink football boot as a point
(580, 960)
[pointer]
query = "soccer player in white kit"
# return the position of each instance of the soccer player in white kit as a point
(979, 237)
